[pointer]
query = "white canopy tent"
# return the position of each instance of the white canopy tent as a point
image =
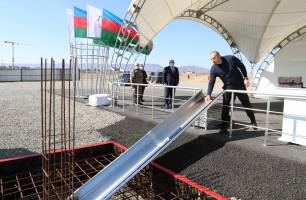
(290, 61)
(255, 27)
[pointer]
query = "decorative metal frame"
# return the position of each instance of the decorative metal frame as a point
(271, 55)
(200, 15)
(92, 66)
(125, 49)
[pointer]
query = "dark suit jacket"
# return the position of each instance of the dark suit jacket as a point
(171, 77)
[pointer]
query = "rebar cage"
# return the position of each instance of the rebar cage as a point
(57, 131)
(93, 71)
(22, 178)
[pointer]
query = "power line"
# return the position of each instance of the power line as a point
(13, 43)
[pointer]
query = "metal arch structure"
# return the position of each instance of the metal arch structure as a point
(125, 49)
(201, 16)
(92, 66)
(218, 27)
(199, 11)
(271, 55)
(212, 4)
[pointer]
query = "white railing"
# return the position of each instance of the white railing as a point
(267, 96)
(154, 96)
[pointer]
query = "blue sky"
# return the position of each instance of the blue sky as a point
(41, 28)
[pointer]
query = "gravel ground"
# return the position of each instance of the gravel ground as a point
(227, 167)
(230, 169)
(20, 120)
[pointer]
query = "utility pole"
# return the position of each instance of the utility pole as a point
(13, 49)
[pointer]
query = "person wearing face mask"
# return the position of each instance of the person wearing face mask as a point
(137, 77)
(170, 78)
(233, 74)
(144, 81)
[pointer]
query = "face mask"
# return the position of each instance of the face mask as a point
(171, 65)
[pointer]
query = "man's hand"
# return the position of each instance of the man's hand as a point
(246, 82)
(208, 98)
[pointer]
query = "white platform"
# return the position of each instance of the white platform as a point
(294, 122)
(99, 100)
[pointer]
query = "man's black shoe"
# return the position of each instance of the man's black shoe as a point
(138, 103)
(223, 131)
(254, 124)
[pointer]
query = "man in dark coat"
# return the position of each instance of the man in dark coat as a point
(170, 78)
(233, 74)
(144, 81)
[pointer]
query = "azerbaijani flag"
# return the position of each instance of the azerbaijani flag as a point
(147, 50)
(111, 25)
(80, 23)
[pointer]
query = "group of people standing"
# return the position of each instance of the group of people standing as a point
(170, 79)
(229, 69)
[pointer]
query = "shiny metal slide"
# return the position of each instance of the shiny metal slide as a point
(104, 184)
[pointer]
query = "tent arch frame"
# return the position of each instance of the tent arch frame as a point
(201, 17)
(257, 75)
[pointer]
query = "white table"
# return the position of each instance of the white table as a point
(294, 117)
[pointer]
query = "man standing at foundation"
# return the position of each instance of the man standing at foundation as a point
(233, 74)
(170, 78)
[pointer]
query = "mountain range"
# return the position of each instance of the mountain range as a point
(148, 67)
(187, 68)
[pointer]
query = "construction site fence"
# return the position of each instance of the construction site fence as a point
(20, 75)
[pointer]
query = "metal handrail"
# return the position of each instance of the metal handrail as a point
(271, 94)
(155, 85)
(233, 108)
(152, 86)
(267, 111)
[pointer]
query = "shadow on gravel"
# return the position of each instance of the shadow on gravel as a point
(191, 152)
(187, 150)
(127, 131)
(14, 152)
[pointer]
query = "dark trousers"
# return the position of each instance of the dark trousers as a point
(169, 92)
(245, 101)
(138, 93)
(142, 92)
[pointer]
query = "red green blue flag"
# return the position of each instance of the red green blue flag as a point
(80, 23)
(111, 25)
